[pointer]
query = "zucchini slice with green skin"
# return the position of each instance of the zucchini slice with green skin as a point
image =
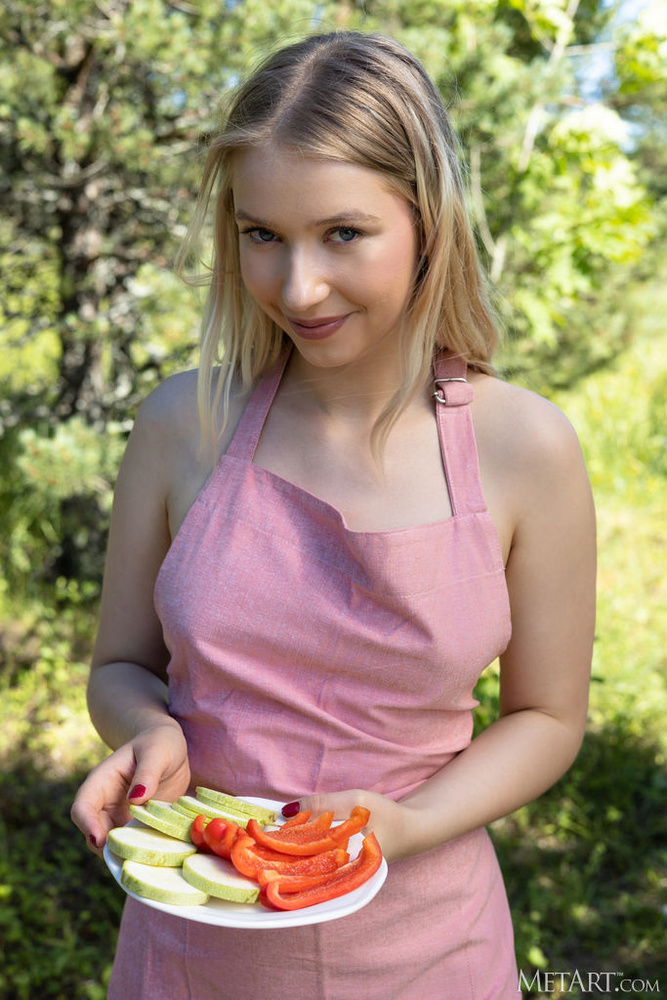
(149, 847)
(218, 877)
(225, 801)
(166, 811)
(184, 811)
(178, 826)
(164, 885)
(197, 807)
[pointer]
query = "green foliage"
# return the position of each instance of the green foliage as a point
(641, 96)
(55, 500)
(95, 132)
(641, 52)
(582, 160)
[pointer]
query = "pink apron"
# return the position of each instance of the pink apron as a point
(308, 657)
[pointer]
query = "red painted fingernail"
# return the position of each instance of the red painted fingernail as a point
(137, 792)
(291, 809)
(92, 839)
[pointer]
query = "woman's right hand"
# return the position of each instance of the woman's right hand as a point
(152, 765)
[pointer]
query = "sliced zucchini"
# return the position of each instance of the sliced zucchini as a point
(166, 811)
(218, 877)
(199, 807)
(140, 843)
(164, 885)
(225, 801)
(176, 826)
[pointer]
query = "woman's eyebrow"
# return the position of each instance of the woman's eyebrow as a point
(242, 216)
(352, 216)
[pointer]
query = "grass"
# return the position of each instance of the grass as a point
(583, 865)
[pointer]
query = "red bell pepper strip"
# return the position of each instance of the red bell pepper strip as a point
(197, 834)
(358, 819)
(301, 817)
(305, 839)
(287, 881)
(250, 858)
(347, 878)
(219, 836)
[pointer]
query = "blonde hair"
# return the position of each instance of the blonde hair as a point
(360, 99)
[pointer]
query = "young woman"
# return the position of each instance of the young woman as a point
(300, 606)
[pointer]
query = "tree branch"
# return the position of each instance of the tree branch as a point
(555, 56)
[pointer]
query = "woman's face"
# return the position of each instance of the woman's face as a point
(328, 250)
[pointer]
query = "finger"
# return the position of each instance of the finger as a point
(160, 767)
(138, 794)
(94, 821)
(100, 804)
(146, 780)
(342, 803)
(84, 817)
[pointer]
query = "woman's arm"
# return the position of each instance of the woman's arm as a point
(127, 692)
(546, 667)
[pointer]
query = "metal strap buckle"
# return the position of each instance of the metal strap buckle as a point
(437, 381)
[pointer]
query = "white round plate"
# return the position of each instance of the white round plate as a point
(255, 916)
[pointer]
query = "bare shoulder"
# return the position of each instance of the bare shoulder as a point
(524, 430)
(170, 414)
(166, 445)
(171, 408)
(530, 457)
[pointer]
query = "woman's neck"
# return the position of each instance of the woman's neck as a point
(358, 391)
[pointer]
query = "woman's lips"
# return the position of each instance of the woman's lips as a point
(317, 329)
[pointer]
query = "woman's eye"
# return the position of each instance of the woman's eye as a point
(344, 234)
(259, 235)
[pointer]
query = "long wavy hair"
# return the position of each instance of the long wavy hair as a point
(361, 99)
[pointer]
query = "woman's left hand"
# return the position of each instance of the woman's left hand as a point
(389, 820)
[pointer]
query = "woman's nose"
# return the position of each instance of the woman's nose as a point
(305, 283)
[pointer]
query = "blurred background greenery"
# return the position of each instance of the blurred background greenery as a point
(560, 108)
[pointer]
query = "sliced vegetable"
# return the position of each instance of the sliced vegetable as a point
(178, 826)
(304, 839)
(292, 882)
(198, 806)
(166, 811)
(347, 878)
(250, 858)
(301, 817)
(219, 836)
(358, 819)
(245, 844)
(197, 833)
(219, 878)
(235, 804)
(164, 885)
(149, 847)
